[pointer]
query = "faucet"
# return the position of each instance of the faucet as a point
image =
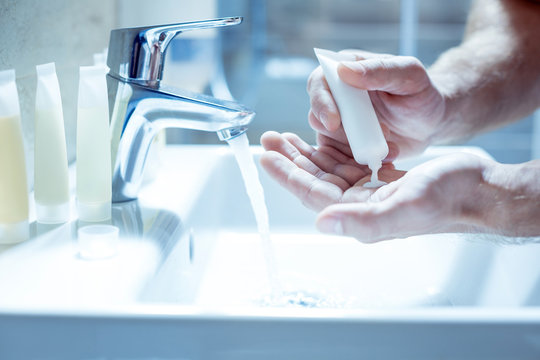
(141, 106)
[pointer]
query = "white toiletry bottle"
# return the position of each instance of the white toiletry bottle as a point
(358, 117)
(51, 179)
(13, 185)
(93, 147)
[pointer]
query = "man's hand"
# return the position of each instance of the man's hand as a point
(447, 194)
(318, 177)
(409, 107)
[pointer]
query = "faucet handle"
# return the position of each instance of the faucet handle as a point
(138, 54)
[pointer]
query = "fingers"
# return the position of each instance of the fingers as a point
(368, 222)
(392, 178)
(323, 106)
(300, 154)
(393, 152)
(314, 193)
(394, 74)
(359, 193)
(316, 125)
(399, 75)
(343, 147)
(348, 170)
(293, 169)
(363, 54)
(393, 149)
(389, 213)
(338, 139)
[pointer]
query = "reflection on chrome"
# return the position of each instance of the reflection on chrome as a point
(141, 106)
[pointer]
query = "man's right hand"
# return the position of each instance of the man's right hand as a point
(410, 108)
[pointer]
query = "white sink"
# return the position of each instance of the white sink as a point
(190, 281)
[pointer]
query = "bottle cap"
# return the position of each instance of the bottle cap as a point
(94, 212)
(14, 233)
(98, 241)
(52, 214)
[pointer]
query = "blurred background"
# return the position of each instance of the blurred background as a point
(263, 63)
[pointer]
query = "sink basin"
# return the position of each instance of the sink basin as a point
(191, 281)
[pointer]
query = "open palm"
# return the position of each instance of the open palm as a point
(436, 196)
(319, 177)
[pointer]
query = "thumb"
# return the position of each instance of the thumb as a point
(400, 75)
(368, 222)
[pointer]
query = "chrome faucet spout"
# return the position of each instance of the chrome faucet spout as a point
(141, 106)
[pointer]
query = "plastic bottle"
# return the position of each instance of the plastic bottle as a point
(358, 117)
(51, 179)
(13, 185)
(93, 147)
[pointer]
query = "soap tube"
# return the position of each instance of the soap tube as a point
(51, 179)
(93, 147)
(358, 116)
(13, 184)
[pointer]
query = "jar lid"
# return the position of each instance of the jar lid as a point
(98, 241)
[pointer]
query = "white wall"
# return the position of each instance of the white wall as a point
(64, 31)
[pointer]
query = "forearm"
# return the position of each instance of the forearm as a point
(507, 202)
(493, 77)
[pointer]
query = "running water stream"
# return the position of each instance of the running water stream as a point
(240, 148)
(278, 297)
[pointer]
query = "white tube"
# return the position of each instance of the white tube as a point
(93, 147)
(358, 117)
(51, 179)
(13, 185)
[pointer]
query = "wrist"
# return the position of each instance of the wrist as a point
(506, 200)
(446, 128)
(474, 193)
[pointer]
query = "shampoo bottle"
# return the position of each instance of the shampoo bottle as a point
(13, 185)
(93, 147)
(51, 179)
(358, 117)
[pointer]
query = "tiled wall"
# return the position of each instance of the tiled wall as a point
(64, 31)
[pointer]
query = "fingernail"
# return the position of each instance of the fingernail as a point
(323, 118)
(331, 225)
(355, 66)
